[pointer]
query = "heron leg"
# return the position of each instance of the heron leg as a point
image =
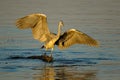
(51, 52)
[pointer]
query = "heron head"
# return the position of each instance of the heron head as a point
(61, 23)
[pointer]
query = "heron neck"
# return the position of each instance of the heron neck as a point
(59, 30)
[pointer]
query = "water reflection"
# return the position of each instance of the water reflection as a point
(64, 73)
(47, 73)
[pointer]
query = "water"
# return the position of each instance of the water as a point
(98, 18)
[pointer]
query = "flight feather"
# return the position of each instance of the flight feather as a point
(74, 36)
(38, 24)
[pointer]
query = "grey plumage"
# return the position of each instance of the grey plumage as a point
(74, 36)
(40, 31)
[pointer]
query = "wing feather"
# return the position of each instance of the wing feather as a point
(73, 36)
(38, 24)
(28, 21)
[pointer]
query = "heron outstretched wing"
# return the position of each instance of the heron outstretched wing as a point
(73, 36)
(38, 24)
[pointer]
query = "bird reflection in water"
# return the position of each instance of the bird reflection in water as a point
(47, 73)
(65, 73)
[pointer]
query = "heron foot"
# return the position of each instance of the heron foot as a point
(47, 58)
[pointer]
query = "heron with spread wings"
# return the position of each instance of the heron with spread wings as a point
(39, 26)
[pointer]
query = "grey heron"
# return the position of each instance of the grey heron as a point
(39, 26)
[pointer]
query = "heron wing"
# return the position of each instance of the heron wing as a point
(73, 36)
(38, 24)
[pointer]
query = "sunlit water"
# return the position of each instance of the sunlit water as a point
(98, 18)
